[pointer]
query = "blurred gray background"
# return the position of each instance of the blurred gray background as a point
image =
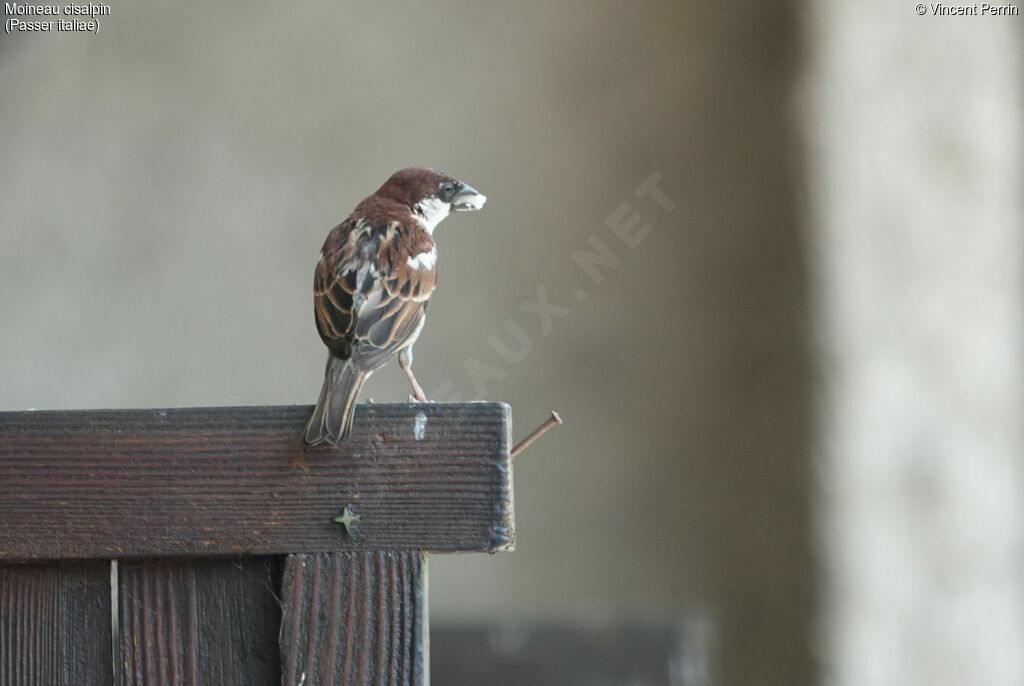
(166, 186)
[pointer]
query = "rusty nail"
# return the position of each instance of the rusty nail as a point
(535, 434)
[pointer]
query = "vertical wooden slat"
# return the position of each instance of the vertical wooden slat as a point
(354, 619)
(55, 624)
(191, 622)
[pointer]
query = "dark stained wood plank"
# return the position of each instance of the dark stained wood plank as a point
(353, 619)
(193, 622)
(215, 481)
(654, 652)
(55, 624)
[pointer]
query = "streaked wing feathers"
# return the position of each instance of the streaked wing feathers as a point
(368, 297)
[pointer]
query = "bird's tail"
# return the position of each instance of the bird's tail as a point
(332, 418)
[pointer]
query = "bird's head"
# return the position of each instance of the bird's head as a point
(431, 195)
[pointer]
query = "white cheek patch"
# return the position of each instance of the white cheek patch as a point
(425, 260)
(431, 212)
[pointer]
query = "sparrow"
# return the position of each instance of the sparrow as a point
(372, 284)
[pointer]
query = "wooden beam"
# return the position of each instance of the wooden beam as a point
(354, 618)
(238, 480)
(192, 622)
(55, 624)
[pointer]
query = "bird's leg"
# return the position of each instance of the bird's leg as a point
(405, 362)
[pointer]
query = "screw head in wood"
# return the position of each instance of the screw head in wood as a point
(347, 519)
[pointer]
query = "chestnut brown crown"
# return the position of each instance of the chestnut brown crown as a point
(415, 186)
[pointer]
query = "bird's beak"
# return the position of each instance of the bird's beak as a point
(468, 199)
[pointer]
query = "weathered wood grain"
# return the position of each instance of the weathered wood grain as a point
(355, 619)
(215, 481)
(55, 624)
(194, 622)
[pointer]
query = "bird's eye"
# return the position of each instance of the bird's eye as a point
(447, 189)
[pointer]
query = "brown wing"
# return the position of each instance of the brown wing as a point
(369, 299)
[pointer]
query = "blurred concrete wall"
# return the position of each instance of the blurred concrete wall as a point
(166, 185)
(917, 172)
